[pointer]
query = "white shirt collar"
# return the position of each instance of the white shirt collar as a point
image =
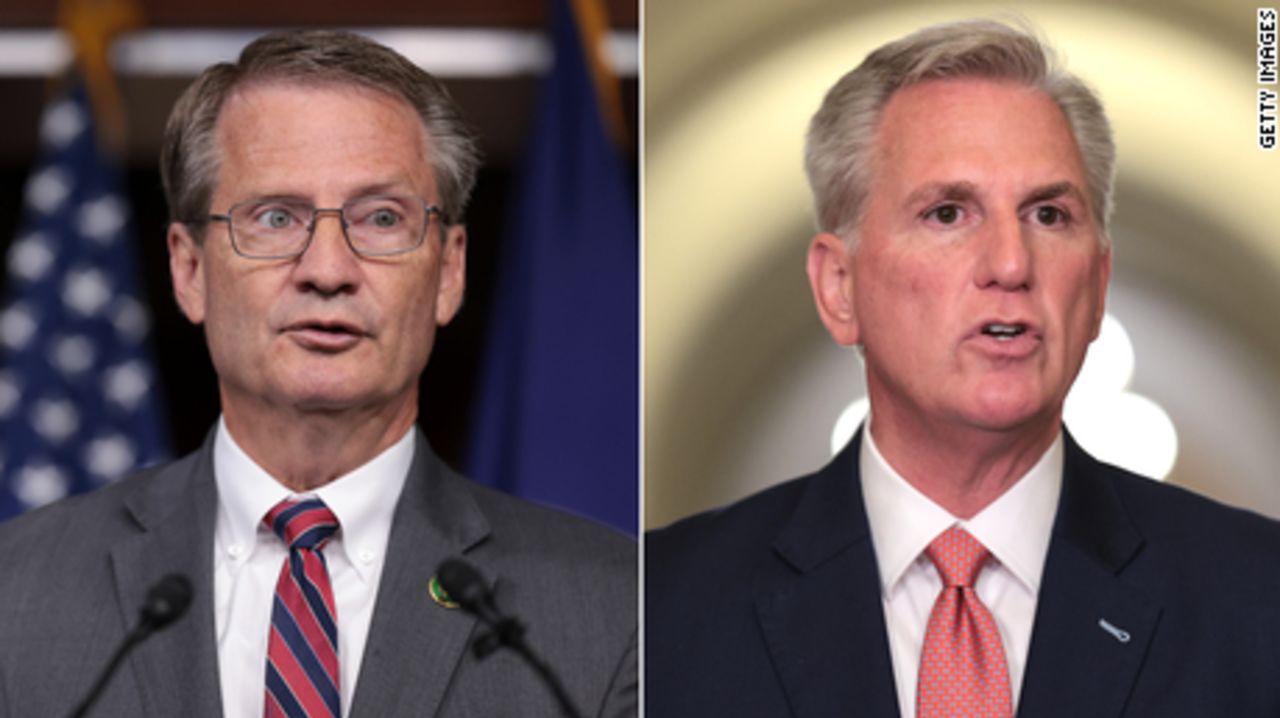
(363, 500)
(1015, 527)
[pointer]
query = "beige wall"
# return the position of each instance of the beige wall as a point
(741, 383)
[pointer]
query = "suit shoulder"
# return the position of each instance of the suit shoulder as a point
(57, 555)
(542, 533)
(729, 539)
(1186, 541)
(1177, 514)
(87, 519)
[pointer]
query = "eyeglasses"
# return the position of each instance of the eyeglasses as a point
(281, 228)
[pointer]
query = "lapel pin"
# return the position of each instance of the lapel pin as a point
(1116, 632)
(439, 595)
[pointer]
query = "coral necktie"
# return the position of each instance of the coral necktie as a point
(302, 652)
(963, 673)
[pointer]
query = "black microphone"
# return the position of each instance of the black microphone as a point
(167, 600)
(467, 588)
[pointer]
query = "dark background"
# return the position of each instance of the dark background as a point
(499, 108)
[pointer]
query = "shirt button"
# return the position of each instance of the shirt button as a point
(366, 555)
(235, 550)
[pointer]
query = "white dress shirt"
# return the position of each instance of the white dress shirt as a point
(248, 557)
(1015, 528)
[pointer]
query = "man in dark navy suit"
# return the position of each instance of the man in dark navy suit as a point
(963, 556)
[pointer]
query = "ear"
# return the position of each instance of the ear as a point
(1104, 281)
(830, 266)
(453, 274)
(186, 269)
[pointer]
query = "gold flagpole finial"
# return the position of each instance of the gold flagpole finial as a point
(593, 24)
(91, 26)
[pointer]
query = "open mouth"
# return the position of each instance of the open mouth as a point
(331, 328)
(326, 336)
(1004, 332)
(336, 329)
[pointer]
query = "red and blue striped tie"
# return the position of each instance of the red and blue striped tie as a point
(302, 653)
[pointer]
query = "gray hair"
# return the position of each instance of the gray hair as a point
(839, 150)
(189, 157)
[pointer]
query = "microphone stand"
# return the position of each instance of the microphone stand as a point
(465, 586)
(167, 600)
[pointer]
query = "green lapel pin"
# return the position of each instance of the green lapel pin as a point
(439, 595)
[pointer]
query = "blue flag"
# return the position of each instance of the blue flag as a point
(78, 406)
(558, 415)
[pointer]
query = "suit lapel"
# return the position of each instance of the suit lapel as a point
(414, 644)
(1092, 630)
(177, 668)
(824, 568)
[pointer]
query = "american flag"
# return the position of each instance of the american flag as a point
(78, 401)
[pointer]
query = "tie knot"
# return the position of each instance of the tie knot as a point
(958, 557)
(302, 524)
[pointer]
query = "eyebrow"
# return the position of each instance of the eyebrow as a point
(286, 198)
(942, 190)
(392, 186)
(1054, 191)
(395, 186)
(963, 190)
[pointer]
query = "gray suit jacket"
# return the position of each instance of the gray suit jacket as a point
(73, 576)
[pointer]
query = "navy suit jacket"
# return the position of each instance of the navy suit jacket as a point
(772, 606)
(73, 576)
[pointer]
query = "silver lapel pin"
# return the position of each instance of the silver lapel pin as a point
(1119, 634)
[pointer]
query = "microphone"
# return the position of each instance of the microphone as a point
(467, 588)
(166, 601)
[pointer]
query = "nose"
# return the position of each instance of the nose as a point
(328, 266)
(1005, 260)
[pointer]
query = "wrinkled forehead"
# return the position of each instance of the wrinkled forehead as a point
(974, 130)
(282, 132)
(268, 89)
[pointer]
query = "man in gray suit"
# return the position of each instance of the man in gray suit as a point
(317, 188)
